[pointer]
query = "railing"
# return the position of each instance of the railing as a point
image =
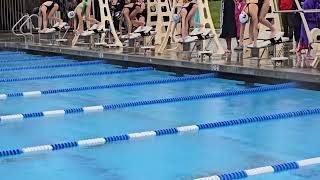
(28, 20)
(14, 26)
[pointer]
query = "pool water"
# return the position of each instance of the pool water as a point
(180, 156)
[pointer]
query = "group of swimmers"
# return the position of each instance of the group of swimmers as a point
(238, 13)
(132, 12)
(126, 14)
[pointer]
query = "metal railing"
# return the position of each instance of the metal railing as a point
(17, 23)
(28, 21)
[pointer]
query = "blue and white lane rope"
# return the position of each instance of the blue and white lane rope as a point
(62, 76)
(32, 59)
(160, 132)
(52, 66)
(106, 86)
(11, 53)
(264, 170)
(100, 108)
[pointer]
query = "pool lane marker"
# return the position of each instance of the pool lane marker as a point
(106, 86)
(62, 76)
(100, 108)
(32, 59)
(86, 63)
(265, 170)
(12, 53)
(161, 132)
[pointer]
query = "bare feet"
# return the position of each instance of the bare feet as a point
(273, 34)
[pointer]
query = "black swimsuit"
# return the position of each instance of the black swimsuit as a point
(189, 7)
(259, 4)
(49, 8)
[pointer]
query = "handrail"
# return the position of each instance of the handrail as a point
(24, 23)
(22, 18)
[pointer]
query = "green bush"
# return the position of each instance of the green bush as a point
(215, 12)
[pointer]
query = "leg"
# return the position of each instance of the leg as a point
(138, 22)
(228, 41)
(184, 23)
(296, 25)
(51, 13)
(254, 23)
(262, 17)
(251, 31)
(127, 19)
(134, 13)
(285, 24)
(80, 24)
(93, 20)
(242, 29)
(190, 17)
(43, 11)
(88, 9)
(255, 30)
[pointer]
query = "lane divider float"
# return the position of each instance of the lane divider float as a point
(40, 58)
(265, 170)
(62, 76)
(106, 86)
(52, 66)
(100, 108)
(161, 132)
(7, 53)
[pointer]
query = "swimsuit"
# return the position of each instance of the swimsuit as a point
(259, 4)
(84, 6)
(189, 7)
(49, 8)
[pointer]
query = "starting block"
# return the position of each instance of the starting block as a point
(316, 44)
(197, 39)
(55, 28)
(141, 32)
(94, 30)
(55, 33)
(265, 42)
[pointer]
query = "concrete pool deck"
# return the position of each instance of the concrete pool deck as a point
(233, 64)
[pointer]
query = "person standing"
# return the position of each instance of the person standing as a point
(313, 20)
(291, 22)
(228, 22)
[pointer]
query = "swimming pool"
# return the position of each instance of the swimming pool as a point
(127, 94)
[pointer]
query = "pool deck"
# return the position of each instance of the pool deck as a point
(222, 64)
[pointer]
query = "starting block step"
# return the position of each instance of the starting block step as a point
(205, 52)
(279, 59)
(147, 47)
(276, 60)
(61, 40)
(188, 39)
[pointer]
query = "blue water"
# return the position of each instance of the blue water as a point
(182, 156)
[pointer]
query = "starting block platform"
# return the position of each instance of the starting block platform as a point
(265, 42)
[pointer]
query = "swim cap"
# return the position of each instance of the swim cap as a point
(243, 17)
(71, 14)
(176, 18)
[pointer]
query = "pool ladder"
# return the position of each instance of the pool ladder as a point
(25, 20)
